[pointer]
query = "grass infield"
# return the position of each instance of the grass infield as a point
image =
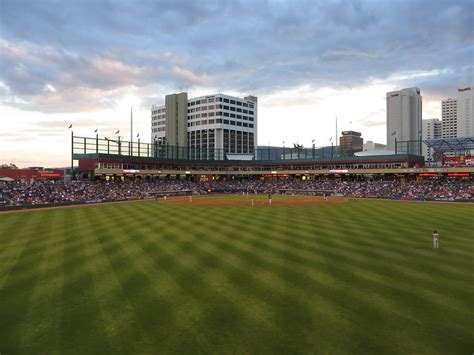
(358, 277)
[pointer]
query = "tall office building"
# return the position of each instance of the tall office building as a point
(350, 142)
(465, 112)
(217, 126)
(458, 114)
(449, 118)
(176, 119)
(431, 129)
(404, 119)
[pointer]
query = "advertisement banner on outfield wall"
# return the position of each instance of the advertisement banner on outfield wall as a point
(459, 161)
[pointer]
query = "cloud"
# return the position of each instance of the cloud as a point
(84, 56)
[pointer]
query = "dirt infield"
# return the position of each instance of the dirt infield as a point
(236, 200)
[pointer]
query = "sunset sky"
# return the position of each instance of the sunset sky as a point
(86, 63)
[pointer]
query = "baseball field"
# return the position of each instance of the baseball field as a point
(220, 276)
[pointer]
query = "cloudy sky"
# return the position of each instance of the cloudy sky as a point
(87, 62)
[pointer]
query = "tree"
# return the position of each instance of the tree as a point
(8, 166)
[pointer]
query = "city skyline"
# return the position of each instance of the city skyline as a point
(87, 63)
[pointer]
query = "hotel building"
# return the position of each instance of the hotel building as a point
(211, 127)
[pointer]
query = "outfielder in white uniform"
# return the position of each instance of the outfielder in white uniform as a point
(435, 240)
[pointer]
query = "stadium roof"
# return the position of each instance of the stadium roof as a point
(451, 144)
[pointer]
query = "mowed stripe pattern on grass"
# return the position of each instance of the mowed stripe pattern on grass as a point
(357, 277)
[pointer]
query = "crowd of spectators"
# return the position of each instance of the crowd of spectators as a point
(44, 192)
(47, 192)
(431, 189)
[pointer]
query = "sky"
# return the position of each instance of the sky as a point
(87, 62)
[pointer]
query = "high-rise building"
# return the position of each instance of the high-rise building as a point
(216, 127)
(465, 112)
(449, 118)
(404, 113)
(431, 129)
(176, 119)
(350, 142)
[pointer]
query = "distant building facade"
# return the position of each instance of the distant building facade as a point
(431, 129)
(449, 117)
(458, 114)
(371, 146)
(465, 112)
(210, 126)
(404, 114)
(350, 142)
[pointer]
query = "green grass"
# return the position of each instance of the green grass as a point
(352, 278)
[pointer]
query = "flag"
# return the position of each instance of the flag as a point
(138, 135)
(330, 139)
(117, 132)
(70, 126)
(96, 130)
(394, 133)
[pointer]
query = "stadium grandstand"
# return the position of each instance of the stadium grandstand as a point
(111, 170)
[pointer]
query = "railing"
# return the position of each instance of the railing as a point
(95, 145)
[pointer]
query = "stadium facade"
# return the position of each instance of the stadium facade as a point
(110, 159)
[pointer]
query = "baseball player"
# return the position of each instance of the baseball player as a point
(435, 239)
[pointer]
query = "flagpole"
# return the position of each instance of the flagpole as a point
(72, 154)
(131, 124)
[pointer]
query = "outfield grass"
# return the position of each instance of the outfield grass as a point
(353, 278)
